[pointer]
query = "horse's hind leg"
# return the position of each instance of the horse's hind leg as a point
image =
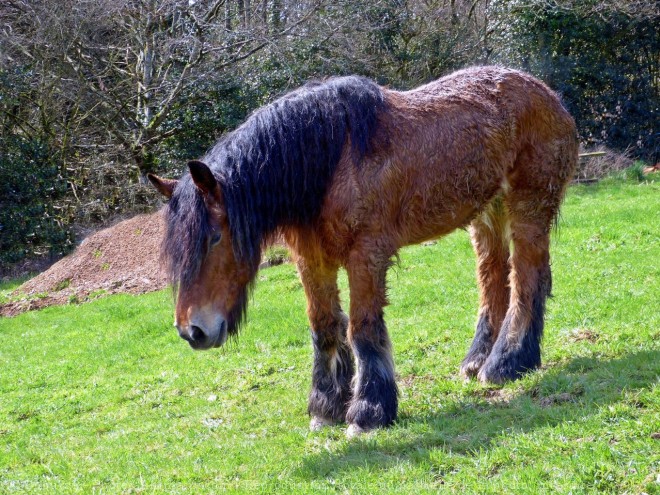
(333, 361)
(490, 238)
(532, 210)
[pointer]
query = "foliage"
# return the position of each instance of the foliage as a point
(276, 255)
(202, 115)
(106, 398)
(600, 162)
(604, 63)
(32, 223)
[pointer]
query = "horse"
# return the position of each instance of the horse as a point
(348, 172)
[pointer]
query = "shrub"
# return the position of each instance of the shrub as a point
(604, 66)
(604, 162)
(32, 220)
(276, 255)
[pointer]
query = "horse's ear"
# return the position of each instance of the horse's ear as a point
(203, 177)
(164, 186)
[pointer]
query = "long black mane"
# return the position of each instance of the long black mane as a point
(274, 170)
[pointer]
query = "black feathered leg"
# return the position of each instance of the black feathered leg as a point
(332, 371)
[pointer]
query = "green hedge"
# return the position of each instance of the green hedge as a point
(32, 223)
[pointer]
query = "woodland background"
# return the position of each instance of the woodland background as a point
(94, 94)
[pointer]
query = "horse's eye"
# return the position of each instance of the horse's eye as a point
(215, 238)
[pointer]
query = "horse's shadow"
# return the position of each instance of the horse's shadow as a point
(569, 392)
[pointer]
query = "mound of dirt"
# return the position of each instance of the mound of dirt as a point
(122, 258)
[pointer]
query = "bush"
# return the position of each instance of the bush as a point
(604, 66)
(32, 221)
(604, 162)
(276, 255)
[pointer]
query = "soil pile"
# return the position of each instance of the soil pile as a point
(122, 258)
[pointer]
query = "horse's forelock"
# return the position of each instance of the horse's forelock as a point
(187, 230)
(185, 245)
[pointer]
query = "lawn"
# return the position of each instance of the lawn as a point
(105, 398)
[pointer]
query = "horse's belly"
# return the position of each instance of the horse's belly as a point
(417, 225)
(433, 208)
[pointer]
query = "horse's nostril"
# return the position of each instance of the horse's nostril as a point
(196, 333)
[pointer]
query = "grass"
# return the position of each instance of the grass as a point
(105, 398)
(7, 287)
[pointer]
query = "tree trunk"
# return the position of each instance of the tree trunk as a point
(228, 15)
(277, 15)
(145, 162)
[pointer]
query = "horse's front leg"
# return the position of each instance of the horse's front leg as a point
(375, 395)
(333, 362)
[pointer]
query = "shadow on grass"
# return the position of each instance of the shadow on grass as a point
(570, 392)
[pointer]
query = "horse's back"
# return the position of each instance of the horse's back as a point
(446, 149)
(494, 98)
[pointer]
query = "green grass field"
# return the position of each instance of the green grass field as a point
(105, 398)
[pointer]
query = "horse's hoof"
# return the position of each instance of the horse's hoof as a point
(490, 378)
(494, 373)
(317, 423)
(356, 431)
(497, 370)
(471, 368)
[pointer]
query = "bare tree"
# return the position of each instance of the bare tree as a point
(123, 64)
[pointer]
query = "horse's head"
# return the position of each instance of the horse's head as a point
(210, 282)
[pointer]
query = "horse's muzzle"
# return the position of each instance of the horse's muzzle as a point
(202, 337)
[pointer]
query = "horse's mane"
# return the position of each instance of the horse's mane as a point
(274, 169)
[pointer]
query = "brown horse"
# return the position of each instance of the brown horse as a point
(349, 172)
